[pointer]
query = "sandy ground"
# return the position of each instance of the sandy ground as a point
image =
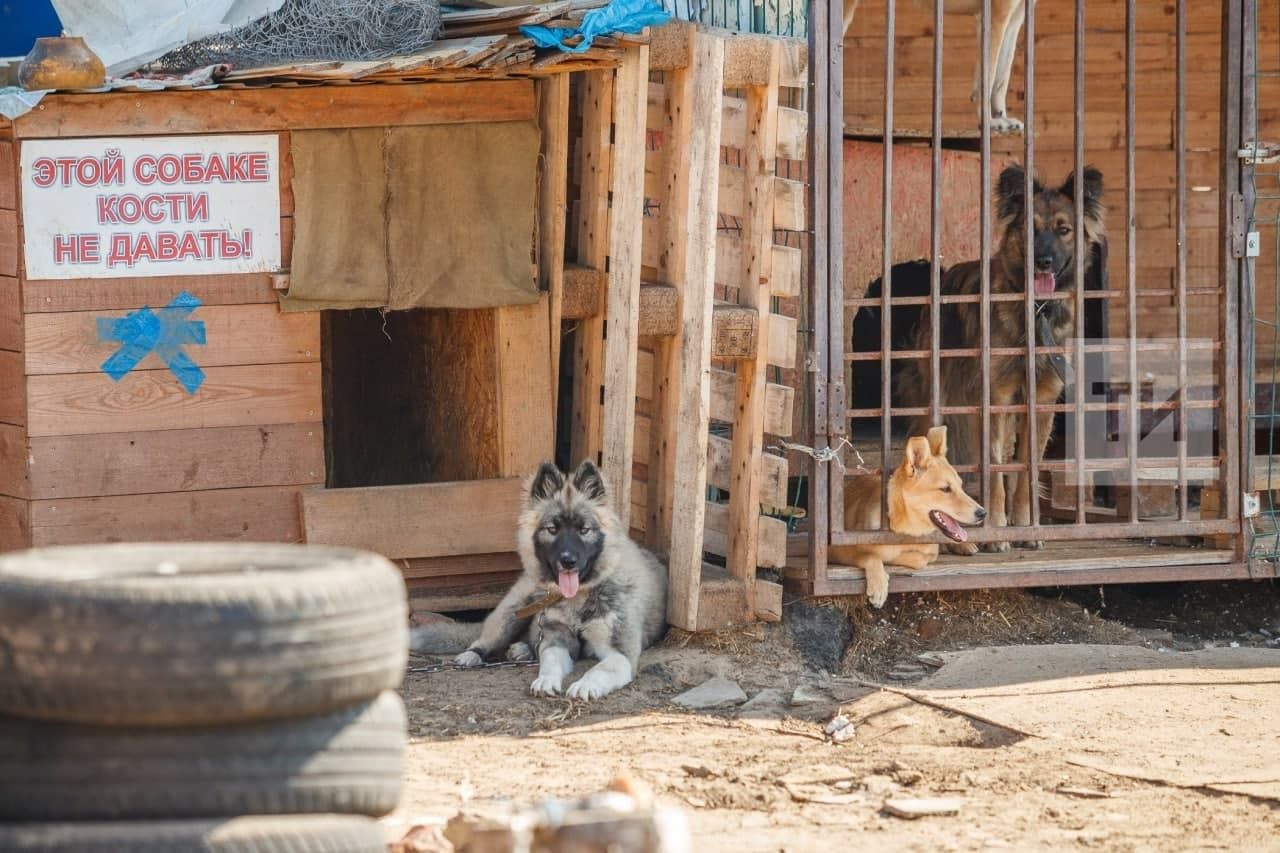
(766, 779)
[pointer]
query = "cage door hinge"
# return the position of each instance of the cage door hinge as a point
(1260, 152)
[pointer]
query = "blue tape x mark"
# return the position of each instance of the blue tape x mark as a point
(165, 333)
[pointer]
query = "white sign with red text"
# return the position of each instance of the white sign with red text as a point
(151, 206)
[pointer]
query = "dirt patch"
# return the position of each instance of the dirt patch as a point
(890, 640)
(766, 779)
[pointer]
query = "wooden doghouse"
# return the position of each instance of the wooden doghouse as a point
(217, 401)
(139, 402)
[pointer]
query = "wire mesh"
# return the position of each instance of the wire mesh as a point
(300, 30)
(770, 17)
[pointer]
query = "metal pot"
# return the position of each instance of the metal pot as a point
(61, 63)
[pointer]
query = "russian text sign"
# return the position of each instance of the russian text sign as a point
(151, 206)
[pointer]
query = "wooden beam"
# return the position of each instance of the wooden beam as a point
(793, 124)
(759, 191)
(583, 292)
(221, 515)
(772, 551)
(526, 414)
(67, 342)
(768, 601)
(244, 395)
(777, 402)
(735, 331)
(773, 479)
(275, 109)
(118, 294)
(626, 191)
(723, 603)
(183, 460)
(553, 207)
(10, 314)
(786, 260)
(427, 520)
(788, 209)
(659, 310)
(696, 94)
(14, 479)
(593, 250)
(783, 332)
(670, 46)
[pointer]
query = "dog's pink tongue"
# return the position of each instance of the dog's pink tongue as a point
(1045, 283)
(568, 582)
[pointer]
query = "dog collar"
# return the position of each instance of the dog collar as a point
(537, 607)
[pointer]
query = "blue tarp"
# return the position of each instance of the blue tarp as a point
(22, 22)
(620, 16)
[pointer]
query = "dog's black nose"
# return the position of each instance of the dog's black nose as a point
(980, 513)
(1044, 262)
(568, 560)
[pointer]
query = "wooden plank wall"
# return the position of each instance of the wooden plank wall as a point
(141, 459)
(14, 528)
(1104, 123)
(741, 402)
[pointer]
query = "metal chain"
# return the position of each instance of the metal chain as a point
(444, 667)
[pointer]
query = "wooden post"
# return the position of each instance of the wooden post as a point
(553, 118)
(696, 94)
(622, 302)
(755, 289)
(593, 250)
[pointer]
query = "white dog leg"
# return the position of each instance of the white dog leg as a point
(554, 664)
(613, 671)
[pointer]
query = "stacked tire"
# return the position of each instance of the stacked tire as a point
(196, 697)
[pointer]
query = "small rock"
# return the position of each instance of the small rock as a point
(768, 699)
(715, 693)
(840, 729)
(925, 807)
(932, 659)
(807, 694)
(880, 786)
(837, 722)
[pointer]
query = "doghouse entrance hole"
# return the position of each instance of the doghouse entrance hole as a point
(408, 397)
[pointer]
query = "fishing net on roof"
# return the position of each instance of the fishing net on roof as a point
(307, 30)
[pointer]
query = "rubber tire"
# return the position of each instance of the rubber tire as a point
(318, 834)
(181, 634)
(345, 762)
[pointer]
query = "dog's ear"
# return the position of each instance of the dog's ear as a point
(1092, 187)
(938, 440)
(546, 482)
(918, 455)
(588, 480)
(1010, 192)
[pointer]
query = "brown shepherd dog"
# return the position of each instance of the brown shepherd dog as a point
(961, 382)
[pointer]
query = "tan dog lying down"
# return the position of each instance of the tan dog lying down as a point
(925, 494)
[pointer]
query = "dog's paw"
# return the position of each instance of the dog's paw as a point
(546, 686)
(468, 658)
(996, 547)
(877, 591)
(964, 549)
(1033, 545)
(519, 651)
(590, 686)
